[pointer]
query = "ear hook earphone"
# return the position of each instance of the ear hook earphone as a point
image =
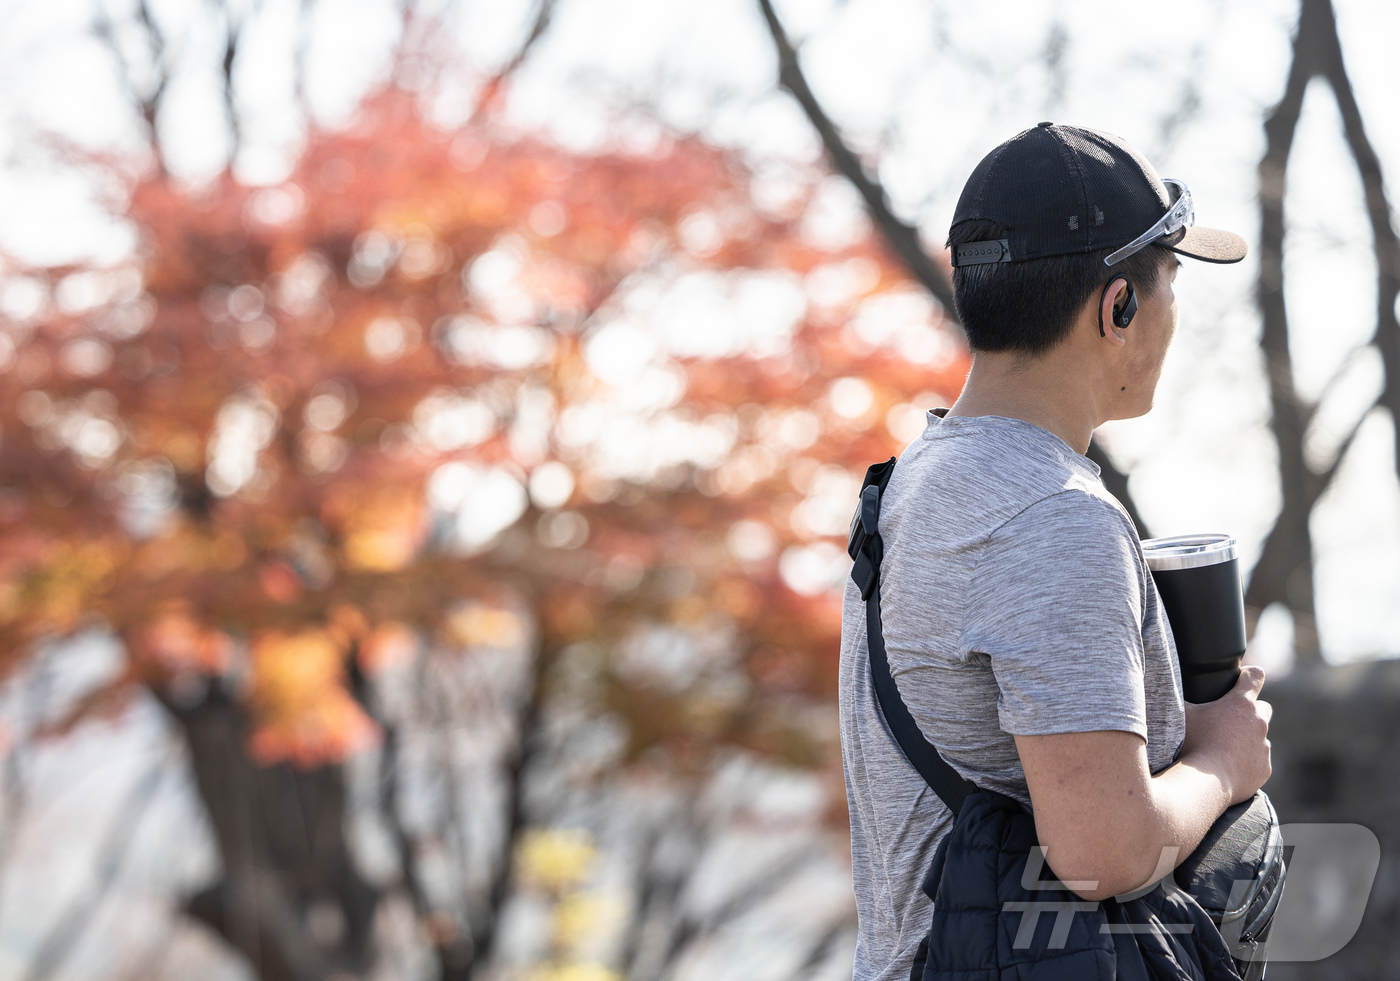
(1121, 318)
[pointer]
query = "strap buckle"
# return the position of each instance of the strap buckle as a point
(865, 546)
(865, 522)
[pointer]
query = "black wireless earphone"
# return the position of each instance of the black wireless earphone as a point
(1121, 318)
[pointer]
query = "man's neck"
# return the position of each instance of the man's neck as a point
(1051, 392)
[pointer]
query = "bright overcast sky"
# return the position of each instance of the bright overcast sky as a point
(931, 85)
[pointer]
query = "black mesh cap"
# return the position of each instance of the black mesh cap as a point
(1062, 189)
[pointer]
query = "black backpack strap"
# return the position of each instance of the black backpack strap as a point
(867, 549)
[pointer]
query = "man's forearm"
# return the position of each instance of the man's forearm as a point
(1107, 824)
(1135, 829)
(1184, 801)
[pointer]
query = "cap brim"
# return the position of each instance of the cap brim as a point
(1211, 245)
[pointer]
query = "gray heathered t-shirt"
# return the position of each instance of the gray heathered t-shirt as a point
(1015, 600)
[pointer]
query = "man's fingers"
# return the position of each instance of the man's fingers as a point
(1251, 680)
(1266, 711)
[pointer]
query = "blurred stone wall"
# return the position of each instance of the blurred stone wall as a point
(1335, 734)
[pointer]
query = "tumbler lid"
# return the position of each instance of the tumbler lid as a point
(1188, 551)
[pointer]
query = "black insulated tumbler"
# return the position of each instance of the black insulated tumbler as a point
(1198, 578)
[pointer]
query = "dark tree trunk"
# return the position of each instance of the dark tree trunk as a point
(290, 899)
(1284, 571)
(1387, 245)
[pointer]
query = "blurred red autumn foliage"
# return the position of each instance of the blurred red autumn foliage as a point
(300, 361)
(449, 390)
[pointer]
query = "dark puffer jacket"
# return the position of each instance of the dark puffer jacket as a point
(986, 928)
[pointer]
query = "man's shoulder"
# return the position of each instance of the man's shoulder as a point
(1080, 532)
(986, 475)
(1085, 504)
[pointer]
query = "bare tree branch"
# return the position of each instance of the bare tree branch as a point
(688, 928)
(390, 769)
(821, 950)
(147, 104)
(1337, 377)
(453, 946)
(529, 744)
(1324, 479)
(652, 891)
(233, 36)
(490, 92)
(901, 237)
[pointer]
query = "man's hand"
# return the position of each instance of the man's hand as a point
(1102, 817)
(1234, 730)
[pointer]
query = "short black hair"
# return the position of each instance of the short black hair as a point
(1030, 306)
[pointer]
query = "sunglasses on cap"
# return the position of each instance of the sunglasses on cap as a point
(1181, 214)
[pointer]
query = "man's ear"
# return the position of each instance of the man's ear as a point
(1114, 293)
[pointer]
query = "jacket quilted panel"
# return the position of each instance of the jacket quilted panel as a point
(988, 926)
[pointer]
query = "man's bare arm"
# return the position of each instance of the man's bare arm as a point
(1102, 817)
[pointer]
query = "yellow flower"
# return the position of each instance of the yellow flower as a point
(555, 859)
(575, 971)
(581, 918)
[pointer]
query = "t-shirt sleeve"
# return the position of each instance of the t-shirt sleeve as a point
(1056, 606)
